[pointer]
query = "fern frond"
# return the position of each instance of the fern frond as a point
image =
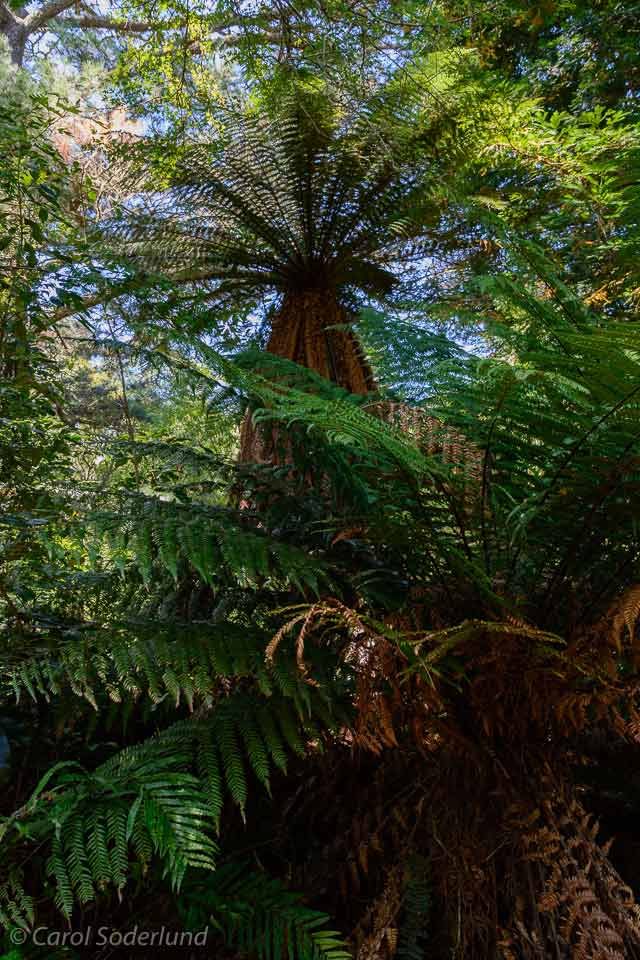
(259, 916)
(162, 798)
(16, 906)
(415, 912)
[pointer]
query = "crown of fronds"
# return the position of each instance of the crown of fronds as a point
(313, 196)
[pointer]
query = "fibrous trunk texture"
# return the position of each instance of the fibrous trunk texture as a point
(518, 870)
(460, 857)
(311, 328)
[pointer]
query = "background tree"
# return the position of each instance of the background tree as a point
(574, 55)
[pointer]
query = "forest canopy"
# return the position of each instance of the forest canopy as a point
(319, 471)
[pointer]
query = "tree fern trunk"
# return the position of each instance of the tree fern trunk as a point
(311, 329)
(518, 869)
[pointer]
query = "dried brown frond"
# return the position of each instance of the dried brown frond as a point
(625, 614)
(375, 937)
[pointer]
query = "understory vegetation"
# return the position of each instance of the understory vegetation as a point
(320, 480)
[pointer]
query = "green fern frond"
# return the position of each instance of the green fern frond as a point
(162, 798)
(415, 913)
(210, 541)
(260, 917)
(16, 906)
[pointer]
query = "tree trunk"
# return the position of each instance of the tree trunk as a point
(15, 33)
(310, 329)
(518, 871)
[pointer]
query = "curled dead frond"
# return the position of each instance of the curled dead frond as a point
(625, 613)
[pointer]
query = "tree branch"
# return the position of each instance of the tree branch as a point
(118, 26)
(46, 13)
(7, 15)
(148, 26)
(95, 21)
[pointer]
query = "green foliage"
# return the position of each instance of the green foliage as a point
(141, 799)
(16, 908)
(32, 189)
(144, 802)
(416, 909)
(259, 917)
(569, 180)
(300, 190)
(572, 54)
(192, 649)
(209, 540)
